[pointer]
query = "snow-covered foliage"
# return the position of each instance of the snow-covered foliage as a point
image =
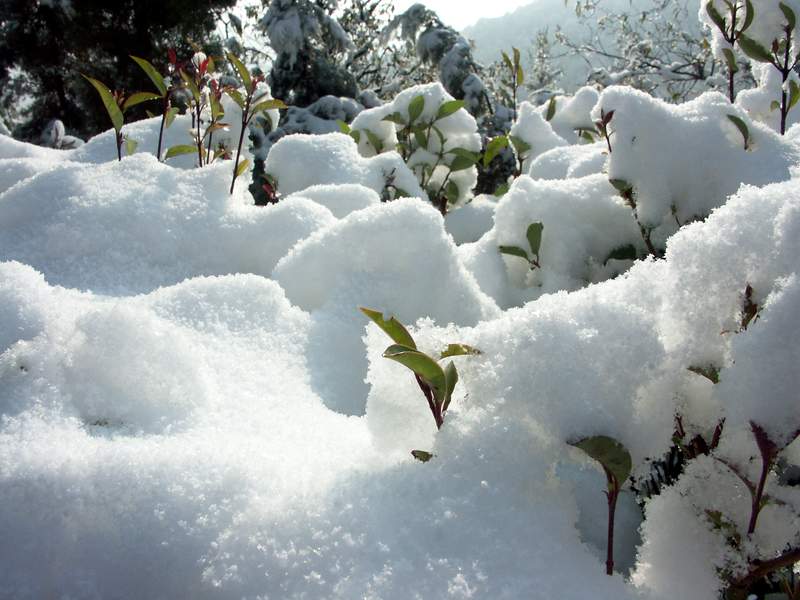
(443, 47)
(436, 136)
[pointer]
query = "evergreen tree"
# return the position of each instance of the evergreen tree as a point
(46, 45)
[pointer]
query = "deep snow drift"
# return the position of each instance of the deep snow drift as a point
(193, 406)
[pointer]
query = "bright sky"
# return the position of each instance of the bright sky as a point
(461, 13)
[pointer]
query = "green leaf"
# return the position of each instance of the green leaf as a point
(217, 112)
(171, 113)
(534, 235)
(730, 60)
(356, 135)
(742, 127)
(751, 14)
(794, 93)
(507, 61)
(393, 328)
(266, 105)
(754, 50)
(375, 141)
(401, 193)
(461, 163)
(130, 146)
(343, 127)
(515, 51)
(514, 251)
(419, 362)
(243, 166)
(774, 105)
(627, 252)
(501, 190)
(395, 118)
(138, 98)
(520, 145)
(154, 75)
(180, 149)
(450, 381)
(612, 455)
(520, 75)
(791, 19)
(421, 455)
(421, 137)
(710, 372)
(551, 109)
(459, 350)
(716, 17)
(244, 74)
(493, 148)
(415, 108)
(452, 192)
(236, 96)
(448, 108)
(621, 185)
(110, 104)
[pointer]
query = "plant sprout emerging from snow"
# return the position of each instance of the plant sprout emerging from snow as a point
(116, 103)
(783, 55)
(617, 465)
(437, 383)
(517, 77)
(732, 25)
(255, 100)
(165, 91)
(534, 235)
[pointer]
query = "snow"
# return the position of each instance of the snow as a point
(192, 405)
(301, 161)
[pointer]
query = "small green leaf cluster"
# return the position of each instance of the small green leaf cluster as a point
(437, 383)
(534, 236)
(497, 144)
(116, 104)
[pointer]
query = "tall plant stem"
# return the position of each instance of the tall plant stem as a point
(164, 109)
(245, 120)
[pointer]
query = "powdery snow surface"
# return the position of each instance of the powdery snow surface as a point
(193, 406)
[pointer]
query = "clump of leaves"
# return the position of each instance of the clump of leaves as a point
(617, 465)
(436, 383)
(732, 25)
(414, 133)
(781, 55)
(165, 91)
(534, 235)
(252, 103)
(116, 104)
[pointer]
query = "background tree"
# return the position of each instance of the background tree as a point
(44, 46)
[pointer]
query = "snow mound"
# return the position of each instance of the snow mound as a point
(300, 161)
(131, 226)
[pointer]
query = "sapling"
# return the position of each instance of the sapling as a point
(165, 91)
(517, 77)
(783, 56)
(738, 19)
(534, 236)
(437, 383)
(626, 190)
(252, 103)
(116, 104)
(617, 465)
(197, 82)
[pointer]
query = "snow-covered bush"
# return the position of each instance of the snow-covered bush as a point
(433, 133)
